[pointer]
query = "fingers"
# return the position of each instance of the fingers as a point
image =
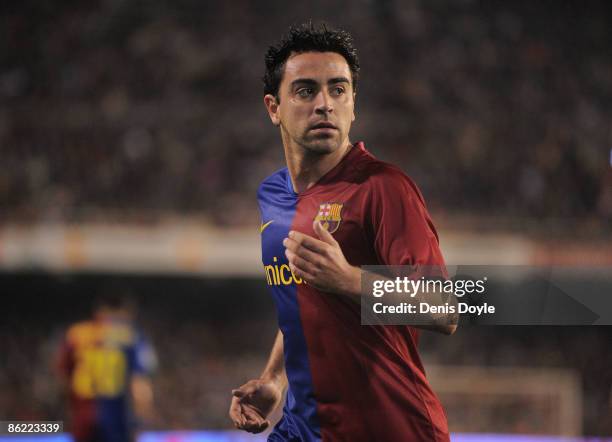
(261, 427)
(254, 422)
(255, 427)
(301, 263)
(309, 242)
(236, 410)
(301, 267)
(238, 393)
(236, 414)
(301, 251)
(244, 415)
(302, 274)
(246, 389)
(245, 418)
(307, 255)
(323, 234)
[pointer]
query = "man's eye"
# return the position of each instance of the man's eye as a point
(305, 92)
(338, 90)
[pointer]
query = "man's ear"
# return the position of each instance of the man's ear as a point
(272, 108)
(354, 102)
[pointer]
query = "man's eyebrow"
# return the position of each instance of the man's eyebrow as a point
(311, 82)
(338, 80)
(301, 81)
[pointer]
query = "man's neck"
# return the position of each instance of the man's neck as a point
(306, 168)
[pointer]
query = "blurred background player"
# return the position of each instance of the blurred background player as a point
(106, 365)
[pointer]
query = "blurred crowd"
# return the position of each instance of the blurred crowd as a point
(117, 110)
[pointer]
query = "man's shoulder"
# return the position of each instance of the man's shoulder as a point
(383, 179)
(382, 175)
(275, 182)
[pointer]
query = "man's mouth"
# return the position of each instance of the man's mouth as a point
(323, 125)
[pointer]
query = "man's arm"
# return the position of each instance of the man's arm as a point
(275, 368)
(253, 402)
(142, 395)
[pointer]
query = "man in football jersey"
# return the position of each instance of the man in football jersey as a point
(105, 364)
(333, 209)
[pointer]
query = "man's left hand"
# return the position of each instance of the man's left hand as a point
(321, 263)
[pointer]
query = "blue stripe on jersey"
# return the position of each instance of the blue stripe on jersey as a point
(278, 203)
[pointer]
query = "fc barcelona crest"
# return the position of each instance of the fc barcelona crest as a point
(330, 216)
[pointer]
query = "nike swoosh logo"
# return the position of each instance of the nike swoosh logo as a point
(263, 226)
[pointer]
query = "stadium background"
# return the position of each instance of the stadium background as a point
(133, 138)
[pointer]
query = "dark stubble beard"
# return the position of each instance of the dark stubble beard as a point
(311, 147)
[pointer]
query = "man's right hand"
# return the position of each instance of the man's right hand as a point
(252, 403)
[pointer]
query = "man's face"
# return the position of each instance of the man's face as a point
(317, 101)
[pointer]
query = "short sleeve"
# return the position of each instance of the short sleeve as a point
(403, 231)
(145, 358)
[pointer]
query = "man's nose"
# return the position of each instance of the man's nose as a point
(323, 103)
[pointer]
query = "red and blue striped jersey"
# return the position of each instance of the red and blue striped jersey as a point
(349, 382)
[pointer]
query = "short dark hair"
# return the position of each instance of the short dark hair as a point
(308, 38)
